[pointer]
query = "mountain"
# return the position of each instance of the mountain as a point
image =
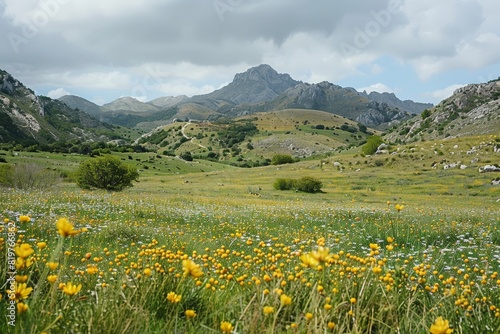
(394, 102)
(168, 101)
(76, 102)
(471, 110)
(29, 119)
(261, 89)
(257, 84)
(129, 104)
(332, 98)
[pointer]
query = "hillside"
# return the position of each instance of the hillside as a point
(76, 102)
(28, 119)
(471, 110)
(253, 140)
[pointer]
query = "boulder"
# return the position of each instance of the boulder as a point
(489, 168)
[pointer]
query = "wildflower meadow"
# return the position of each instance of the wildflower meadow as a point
(78, 261)
(403, 246)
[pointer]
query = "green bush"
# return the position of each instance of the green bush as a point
(309, 184)
(106, 172)
(280, 159)
(284, 184)
(372, 143)
(186, 155)
(306, 184)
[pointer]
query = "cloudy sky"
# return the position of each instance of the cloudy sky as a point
(105, 49)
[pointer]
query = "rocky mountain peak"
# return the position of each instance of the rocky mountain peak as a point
(257, 84)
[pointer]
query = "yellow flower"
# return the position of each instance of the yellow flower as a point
(21, 292)
(353, 300)
(309, 316)
(41, 245)
(440, 326)
(24, 251)
(52, 265)
(399, 207)
(65, 228)
(285, 300)
(21, 278)
(52, 278)
(24, 219)
(70, 289)
(191, 269)
(331, 325)
(309, 261)
(173, 297)
(268, 310)
(226, 327)
(147, 272)
(22, 307)
(374, 246)
(190, 314)
(91, 270)
(390, 239)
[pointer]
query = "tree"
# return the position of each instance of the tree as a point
(280, 159)
(106, 172)
(372, 144)
(309, 184)
(186, 155)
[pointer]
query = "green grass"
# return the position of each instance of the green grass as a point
(438, 256)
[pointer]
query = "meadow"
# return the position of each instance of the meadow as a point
(201, 247)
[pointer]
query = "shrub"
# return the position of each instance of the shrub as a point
(186, 156)
(309, 184)
(426, 113)
(284, 184)
(280, 159)
(107, 172)
(372, 143)
(306, 184)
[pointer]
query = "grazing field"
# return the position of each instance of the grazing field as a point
(200, 247)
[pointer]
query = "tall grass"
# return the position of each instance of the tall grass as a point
(375, 270)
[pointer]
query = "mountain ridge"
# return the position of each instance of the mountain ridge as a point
(30, 120)
(261, 88)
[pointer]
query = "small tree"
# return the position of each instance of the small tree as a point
(280, 159)
(106, 172)
(186, 155)
(283, 184)
(372, 144)
(309, 184)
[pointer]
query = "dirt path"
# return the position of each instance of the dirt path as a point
(192, 139)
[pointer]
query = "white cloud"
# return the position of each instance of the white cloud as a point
(441, 94)
(127, 48)
(57, 93)
(376, 87)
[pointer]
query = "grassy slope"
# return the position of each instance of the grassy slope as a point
(405, 175)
